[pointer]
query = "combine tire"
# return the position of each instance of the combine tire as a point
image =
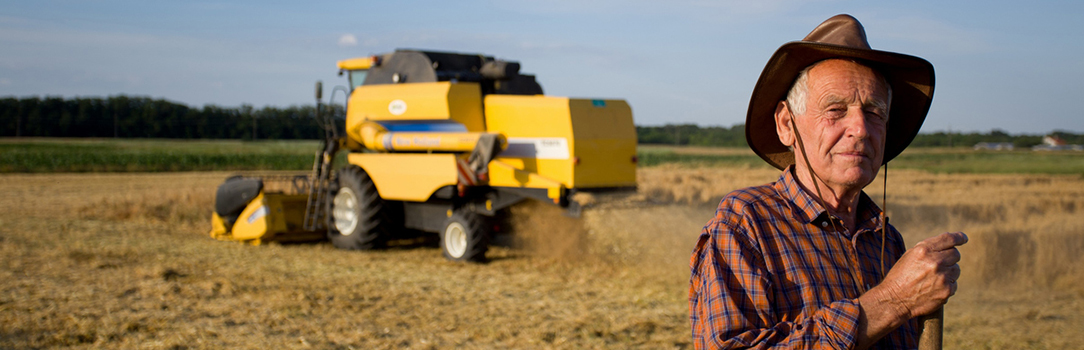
(465, 237)
(359, 219)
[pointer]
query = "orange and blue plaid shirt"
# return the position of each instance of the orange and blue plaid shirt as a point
(770, 271)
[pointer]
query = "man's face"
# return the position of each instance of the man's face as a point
(843, 127)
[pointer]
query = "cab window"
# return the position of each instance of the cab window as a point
(357, 77)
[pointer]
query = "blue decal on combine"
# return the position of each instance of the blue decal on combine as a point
(598, 103)
(423, 126)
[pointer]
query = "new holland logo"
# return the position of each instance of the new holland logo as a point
(397, 107)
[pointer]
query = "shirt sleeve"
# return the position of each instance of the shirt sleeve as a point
(731, 298)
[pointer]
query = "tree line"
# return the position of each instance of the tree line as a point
(693, 135)
(143, 117)
(957, 139)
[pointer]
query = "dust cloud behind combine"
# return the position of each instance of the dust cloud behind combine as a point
(123, 261)
(653, 229)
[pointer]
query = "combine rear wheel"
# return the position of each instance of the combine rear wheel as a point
(465, 237)
(359, 218)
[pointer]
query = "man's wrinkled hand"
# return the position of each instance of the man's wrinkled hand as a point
(925, 276)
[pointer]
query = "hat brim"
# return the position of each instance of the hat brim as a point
(911, 78)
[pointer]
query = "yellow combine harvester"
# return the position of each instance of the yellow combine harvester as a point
(438, 142)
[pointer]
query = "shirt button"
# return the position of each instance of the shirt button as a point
(824, 223)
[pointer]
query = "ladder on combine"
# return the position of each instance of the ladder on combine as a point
(319, 191)
(318, 204)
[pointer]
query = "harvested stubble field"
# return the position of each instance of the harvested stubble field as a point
(123, 261)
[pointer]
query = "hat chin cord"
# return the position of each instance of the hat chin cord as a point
(820, 199)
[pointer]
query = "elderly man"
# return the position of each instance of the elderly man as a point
(809, 261)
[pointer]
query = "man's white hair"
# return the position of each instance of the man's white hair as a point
(796, 97)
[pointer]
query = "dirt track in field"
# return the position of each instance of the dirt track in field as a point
(123, 261)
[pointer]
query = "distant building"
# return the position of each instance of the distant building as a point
(994, 146)
(1054, 143)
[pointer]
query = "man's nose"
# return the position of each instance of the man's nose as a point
(856, 124)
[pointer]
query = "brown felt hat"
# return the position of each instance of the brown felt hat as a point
(843, 37)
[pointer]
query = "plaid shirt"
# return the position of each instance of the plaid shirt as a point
(769, 271)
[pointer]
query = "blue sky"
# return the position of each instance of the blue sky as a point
(1005, 65)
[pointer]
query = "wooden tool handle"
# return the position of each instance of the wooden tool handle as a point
(932, 326)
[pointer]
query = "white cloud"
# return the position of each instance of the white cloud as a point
(348, 40)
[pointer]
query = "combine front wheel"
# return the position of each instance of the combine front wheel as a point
(465, 237)
(358, 214)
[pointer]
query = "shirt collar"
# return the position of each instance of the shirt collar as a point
(810, 210)
(807, 207)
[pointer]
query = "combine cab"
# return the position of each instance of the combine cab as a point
(441, 142)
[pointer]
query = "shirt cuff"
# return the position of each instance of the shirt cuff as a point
(840, 320)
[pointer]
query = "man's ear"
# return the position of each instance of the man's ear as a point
(782, 124)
